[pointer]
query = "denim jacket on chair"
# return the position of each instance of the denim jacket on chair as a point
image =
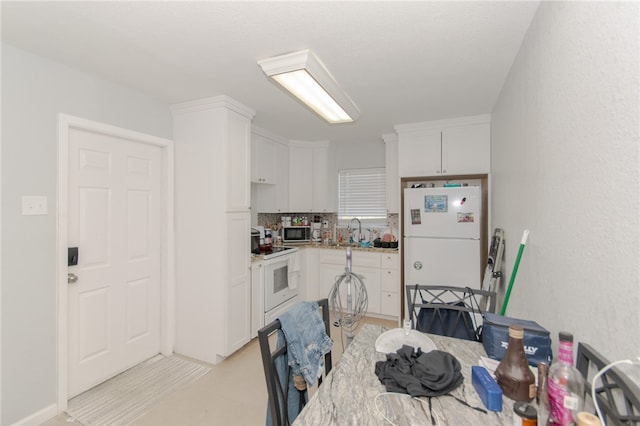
(307, 340)
(307, 343)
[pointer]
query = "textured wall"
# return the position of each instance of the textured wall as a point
(565, 165)
(34, 91)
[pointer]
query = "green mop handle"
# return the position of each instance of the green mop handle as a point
(525, 235)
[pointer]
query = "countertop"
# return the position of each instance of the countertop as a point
(258, 257)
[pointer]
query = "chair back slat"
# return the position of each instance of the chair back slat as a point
(448, 310)
(617, 396)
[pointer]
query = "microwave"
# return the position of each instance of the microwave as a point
(293, 234)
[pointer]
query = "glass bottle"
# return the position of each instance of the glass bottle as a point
(565, 384)
(513, 373)
(542, 394)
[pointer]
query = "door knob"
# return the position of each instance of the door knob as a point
(71, 278)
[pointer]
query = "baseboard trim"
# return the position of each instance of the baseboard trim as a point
(39, 417)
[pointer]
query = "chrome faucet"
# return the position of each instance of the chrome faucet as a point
(359, 228)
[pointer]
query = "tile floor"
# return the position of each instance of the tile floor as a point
(232, 393)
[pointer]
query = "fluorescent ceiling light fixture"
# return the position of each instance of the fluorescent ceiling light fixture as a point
(302, 74)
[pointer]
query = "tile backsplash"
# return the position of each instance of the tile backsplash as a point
(272, 220)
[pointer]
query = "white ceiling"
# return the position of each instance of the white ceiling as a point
(400, 62)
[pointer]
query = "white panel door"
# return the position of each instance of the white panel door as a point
(115, 195)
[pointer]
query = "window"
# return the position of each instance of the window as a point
(362, 194)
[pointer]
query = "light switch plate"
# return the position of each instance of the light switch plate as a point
(34, 205)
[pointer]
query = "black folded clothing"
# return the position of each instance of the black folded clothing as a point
(419, 374)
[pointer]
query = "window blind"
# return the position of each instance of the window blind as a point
(362, 194)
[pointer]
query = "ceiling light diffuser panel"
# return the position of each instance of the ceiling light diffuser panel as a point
(304, 76)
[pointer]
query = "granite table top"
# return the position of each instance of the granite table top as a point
(352, 394)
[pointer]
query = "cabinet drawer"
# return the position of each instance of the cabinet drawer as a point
(389, 303)
(390, 280)
(389, 260)
(358, 258)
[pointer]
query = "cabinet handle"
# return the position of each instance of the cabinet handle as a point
(438, 172)
(444, 171)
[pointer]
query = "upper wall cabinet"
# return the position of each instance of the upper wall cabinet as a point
(445, 147)
(263, 158)
(309, 181)
(392, 176)
(270, 166)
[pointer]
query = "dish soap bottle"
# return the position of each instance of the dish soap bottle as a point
(565, 385)
(513, 373)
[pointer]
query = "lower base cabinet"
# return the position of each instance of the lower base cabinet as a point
(378, 270)
(257, 297)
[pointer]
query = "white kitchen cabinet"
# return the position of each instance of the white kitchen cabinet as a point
(212, 226)
(333, 263)
(323, 182)
(310, 288)
(310, 183)
(263, 159)
(391, 173)
(419, 153)
(238, 306)
(390, 284)
(445, 147)
(257, 297)
(273, 196)
(300, 177)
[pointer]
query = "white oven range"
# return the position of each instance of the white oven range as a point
(280, 282)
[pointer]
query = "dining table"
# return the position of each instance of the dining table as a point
(352, 394)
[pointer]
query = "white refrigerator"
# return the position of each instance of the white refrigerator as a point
(442, 236)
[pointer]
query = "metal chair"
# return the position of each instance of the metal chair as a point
(448, 311)
(276, 389)
(617, 396)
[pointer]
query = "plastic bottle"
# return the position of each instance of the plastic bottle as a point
(406, 326)
(542, 395)
(566, 385)
(513, 374)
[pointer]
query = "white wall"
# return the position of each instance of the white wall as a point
(565, 165)
(359, 155)
(34, 91)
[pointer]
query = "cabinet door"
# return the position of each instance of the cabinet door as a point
(238, 314)
(311, 275)
(419, 153)
(275, 198)
(263, 159)
(330, 273)
(323, 191)
(257, 297)
(392, 175)
(466, 149)
(300, 175)
(238, 162)
(389, 303)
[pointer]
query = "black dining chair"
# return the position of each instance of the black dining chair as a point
(448, 310)
(617, 396)
(271, 353)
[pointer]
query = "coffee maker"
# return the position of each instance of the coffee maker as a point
(316, 233)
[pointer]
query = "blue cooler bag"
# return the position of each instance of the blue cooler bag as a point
(495, 338)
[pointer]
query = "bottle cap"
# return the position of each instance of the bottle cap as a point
(525, 410)
(516, 331)
(587, 419)
(565, 336)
